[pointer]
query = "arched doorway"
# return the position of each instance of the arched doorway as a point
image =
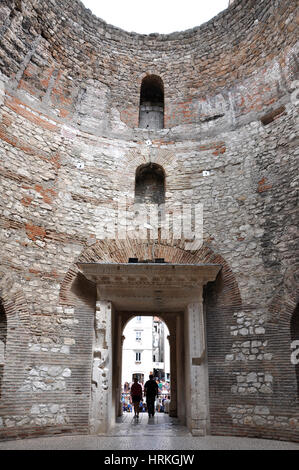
(172, 291)
(145, 351)
(174, 325)
(164, 295)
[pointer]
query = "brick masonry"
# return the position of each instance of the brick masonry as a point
(70, 146)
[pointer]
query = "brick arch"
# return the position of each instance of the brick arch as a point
(148, 153)
(163, 157)
(17, 314)
(286, 298)
(119, 251)
(281, 310)
(13, 300)
(17, 337)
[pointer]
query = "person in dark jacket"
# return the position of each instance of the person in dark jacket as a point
(151, 391)
(136, 396)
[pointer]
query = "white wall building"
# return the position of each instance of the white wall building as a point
(145, 348)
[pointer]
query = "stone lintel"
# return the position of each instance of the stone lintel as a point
(149, 286)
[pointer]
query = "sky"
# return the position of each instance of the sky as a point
(155, 16)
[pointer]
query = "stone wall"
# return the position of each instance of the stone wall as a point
(70, 146)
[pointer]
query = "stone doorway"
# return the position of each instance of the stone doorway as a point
(174, 291)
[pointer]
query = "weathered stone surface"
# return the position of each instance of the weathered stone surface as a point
(70, 148)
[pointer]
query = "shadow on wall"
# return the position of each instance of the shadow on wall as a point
(3, 335)
(295, 343)
(84, 290)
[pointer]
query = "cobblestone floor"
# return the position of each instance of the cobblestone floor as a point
(158, 433)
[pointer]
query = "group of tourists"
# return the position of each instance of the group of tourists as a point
(151, 391)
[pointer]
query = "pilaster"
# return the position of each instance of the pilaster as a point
(101, 388)
(196, 365)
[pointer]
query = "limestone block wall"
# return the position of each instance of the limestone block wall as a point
(70, 146)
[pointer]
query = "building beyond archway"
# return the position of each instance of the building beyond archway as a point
(145, 351)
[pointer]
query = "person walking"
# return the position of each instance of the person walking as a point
(136, 396)
(166, 404)
(151, 391)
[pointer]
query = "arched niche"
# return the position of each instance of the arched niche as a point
(150, 184)
(151, 109)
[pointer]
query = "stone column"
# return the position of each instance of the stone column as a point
(120, 413)
(101, 392)
(180, 368)
(196, 370)
(173, 379)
